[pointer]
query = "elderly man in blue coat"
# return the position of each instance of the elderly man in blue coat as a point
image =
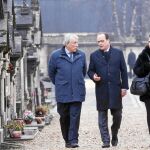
(67, 69)
(108, 70)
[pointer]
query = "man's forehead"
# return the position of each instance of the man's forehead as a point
(101, 37)
(73, 39)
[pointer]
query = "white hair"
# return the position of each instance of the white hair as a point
(68, 37)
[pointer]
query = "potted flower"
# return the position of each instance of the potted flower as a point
(15, 128)
(28, 116)
(41, 111)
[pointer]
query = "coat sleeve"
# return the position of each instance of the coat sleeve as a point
(52, 68)
(91, 69)
(139, 68)
(85, 66)
(124, 75)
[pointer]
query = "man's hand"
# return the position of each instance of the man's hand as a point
(123, 92)
(96, 77)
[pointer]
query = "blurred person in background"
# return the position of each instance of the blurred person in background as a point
(67, 69)
(131, 62)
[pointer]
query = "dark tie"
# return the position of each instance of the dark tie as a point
(71, 56)
(106, 54)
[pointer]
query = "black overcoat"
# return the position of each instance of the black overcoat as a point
(113, 75)
(142, 68)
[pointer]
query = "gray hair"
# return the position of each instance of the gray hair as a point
(68, 37)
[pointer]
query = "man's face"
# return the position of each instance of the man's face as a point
(149, 42)
(72, 45)
(103, 43)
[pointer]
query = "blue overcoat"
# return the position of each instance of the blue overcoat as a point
(68, 76)
(113, 75)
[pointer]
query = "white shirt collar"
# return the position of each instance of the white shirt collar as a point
(67, 52)
(107, 50)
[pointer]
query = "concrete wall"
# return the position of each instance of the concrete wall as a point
(87, 43)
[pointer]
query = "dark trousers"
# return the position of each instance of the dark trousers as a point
(131, 73)
(69, 120)
(147, 104)
(103, 123)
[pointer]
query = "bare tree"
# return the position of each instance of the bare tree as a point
(115, 18)
(24, 3)
(124, 18)
(133, 21)
(1, 10)
(34, 2)
(145, 19)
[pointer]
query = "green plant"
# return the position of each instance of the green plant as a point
(15, 125)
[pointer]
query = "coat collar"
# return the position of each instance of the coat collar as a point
(100, 55)
(63, 54)
(146, 49)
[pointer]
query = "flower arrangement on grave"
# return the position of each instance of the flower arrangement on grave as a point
(41, 111)
(28, 116)
(15, 128)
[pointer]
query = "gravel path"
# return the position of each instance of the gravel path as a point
(133, 134)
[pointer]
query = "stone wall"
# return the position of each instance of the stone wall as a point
(87, 43)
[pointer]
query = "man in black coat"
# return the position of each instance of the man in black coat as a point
(108, 70)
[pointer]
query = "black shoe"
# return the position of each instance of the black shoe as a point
(67, 144)
(114, 141)
(72, 145)
(105, 145)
